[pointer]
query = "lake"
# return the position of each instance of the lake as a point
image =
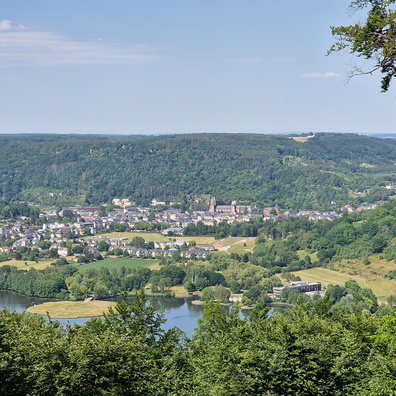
(179, 312)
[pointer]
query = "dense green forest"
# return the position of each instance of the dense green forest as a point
(353, 236)
(311, 349)
(325, 171)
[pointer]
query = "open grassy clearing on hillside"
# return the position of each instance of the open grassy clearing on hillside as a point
(302, 253)
(243, 246)
(377, 268)
(20, 264)
(327, 277)
(301, 139)
(380, 286)
(72, 309)
(117, 263)
(234, 243)
(374, 273)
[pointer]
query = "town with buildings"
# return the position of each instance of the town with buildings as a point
(84, 222)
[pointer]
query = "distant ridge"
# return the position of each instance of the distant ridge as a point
(326, 171)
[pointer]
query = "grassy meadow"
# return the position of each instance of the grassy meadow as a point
(381, 287)
(72, 309)
(20, 264)
(242, 246)
(117, 263)
(302, 253)
(377, 268)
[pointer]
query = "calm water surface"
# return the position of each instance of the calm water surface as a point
(179, 312)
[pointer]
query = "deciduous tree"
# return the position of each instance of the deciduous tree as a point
(373, 39)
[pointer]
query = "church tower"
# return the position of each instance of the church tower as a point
(233, 207)
(212, 205)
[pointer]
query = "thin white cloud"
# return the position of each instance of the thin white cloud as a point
(24, 46)
(282, 60)
(261, 60)
(321, 75)
(251, 60)
(5, 24)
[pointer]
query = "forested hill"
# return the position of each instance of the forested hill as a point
(261, 169)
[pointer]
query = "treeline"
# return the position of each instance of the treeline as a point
(310, 349)
(68, 282)
(215, 279)
(12, 210)
(222, 230)
(261, 169)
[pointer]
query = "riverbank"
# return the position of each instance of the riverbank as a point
(72, 309)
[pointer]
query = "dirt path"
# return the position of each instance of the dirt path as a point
(227, 247)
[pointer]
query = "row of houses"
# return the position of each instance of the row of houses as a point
(191, 253)
(171, 220)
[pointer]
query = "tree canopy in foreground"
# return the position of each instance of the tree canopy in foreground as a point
(373, 39)
(315, 348)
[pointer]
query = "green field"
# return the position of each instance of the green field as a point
(117, 263)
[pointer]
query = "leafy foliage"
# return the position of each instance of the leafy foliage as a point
(310, 349)
(373, 39)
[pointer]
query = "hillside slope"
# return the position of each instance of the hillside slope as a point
(263, 169)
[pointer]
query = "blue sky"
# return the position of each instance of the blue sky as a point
(182, 66)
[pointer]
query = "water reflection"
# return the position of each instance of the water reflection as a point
(18, 302)
(179, 312)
